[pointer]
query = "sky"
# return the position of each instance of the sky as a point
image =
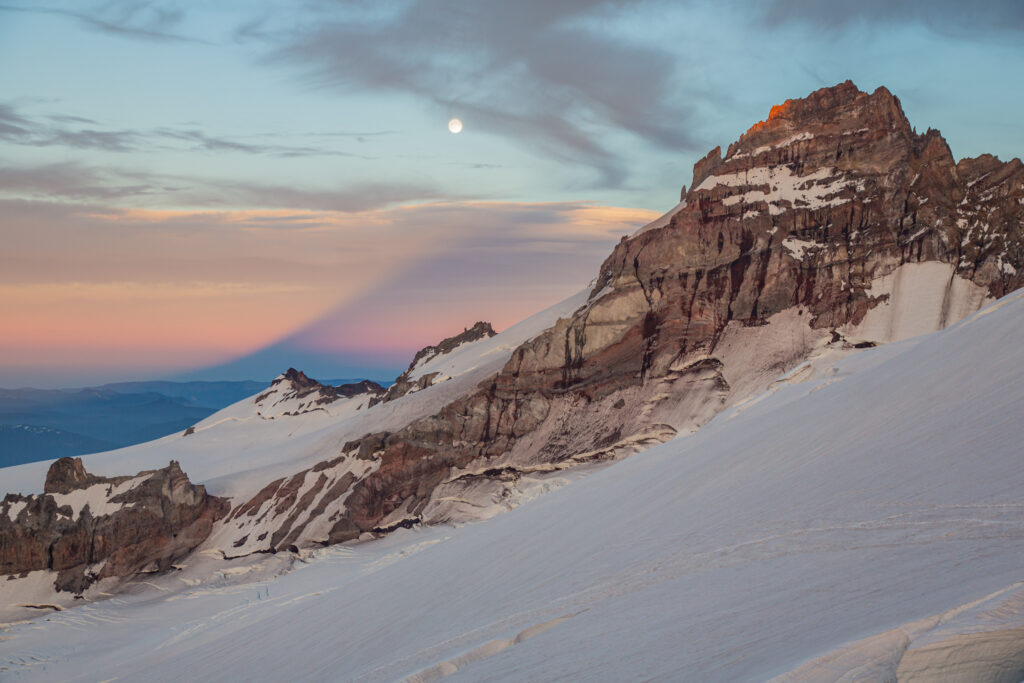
(223, 189)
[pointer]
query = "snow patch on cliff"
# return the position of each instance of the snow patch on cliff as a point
(915, 299)
(97, 497)
(786, 190)
(798, 247)
(15, 508)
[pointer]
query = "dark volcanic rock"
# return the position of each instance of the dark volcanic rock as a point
(66, 475)
(141, 523)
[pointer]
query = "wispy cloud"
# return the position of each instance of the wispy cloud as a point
(199, 140)
(142, 20)
(941, 15)
(69, 181)
(77, 132)
(358, 197)
(13, 126)
(542, 73)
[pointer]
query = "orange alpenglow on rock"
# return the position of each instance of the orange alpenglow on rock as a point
(777, 111)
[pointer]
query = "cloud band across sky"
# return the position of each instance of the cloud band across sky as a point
(93, 293)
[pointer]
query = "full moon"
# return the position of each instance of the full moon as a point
(455, 126)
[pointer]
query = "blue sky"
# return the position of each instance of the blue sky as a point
(253, 130)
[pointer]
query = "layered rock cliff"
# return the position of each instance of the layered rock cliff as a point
(88, 528)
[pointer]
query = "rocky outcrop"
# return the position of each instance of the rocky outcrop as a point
(415, 379)
(830, 226)
(67, 474)
(87, 528)
(293, 393)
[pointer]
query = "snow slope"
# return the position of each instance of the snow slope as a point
(840, 526)
(662, 220)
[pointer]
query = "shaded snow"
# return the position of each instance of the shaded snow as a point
(97, 497)
(799, 137)
(982, 640)
(15, 508)
(921, 298)
(797, 247)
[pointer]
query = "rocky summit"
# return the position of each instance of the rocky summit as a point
(293, 393)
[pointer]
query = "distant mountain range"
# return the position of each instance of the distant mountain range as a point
(45, 424)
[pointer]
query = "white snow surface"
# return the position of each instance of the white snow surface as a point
(797, 247)
(97, 497)
(922, 297)
(15, 508)
(811, 524)
(662, 220)
(445, 360)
